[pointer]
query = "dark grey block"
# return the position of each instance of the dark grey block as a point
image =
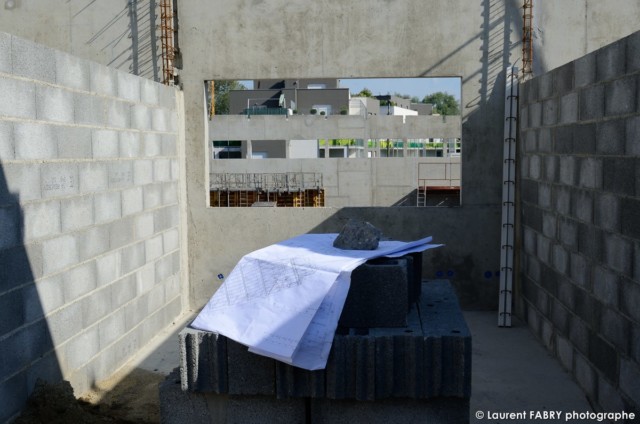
(203, 361)
(292, 382)
(248, 373)
(378, 295)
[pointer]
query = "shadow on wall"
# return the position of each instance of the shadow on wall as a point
(137, 48)
(26, 346)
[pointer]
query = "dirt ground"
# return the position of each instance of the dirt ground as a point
(130, 396)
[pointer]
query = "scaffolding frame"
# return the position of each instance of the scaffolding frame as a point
(527, 39)
(166, 37)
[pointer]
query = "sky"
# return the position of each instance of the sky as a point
(419, 87)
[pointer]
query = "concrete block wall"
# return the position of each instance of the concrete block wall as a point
(89, 217)
(579, 167)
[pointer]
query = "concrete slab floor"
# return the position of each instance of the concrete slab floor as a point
(512, 372)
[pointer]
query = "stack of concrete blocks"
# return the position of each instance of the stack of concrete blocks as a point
(417, 372)
(580, 183)
(89, 238)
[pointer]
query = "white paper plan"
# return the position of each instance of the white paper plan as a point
(284, 301)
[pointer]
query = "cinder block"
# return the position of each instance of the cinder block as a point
(76, 213)
(18, 98)
(140, 117)
(81, 348)
(590, 241)
(160, 119)
(550, 112)
(111, 327)
(143, 172)
(46, 146)
(143, 225)
(108, 268)
(130, 145)
(152, 144)
(54, 104)
(167, 96)
(203, 361)
(529, 191)
(154, 248)
(5, 53)
(565, 352)
(65, 323)
(582, 205)
(178, 406)
(611, 137)
(630, 218)
(97, 306)
(74, 142)
(535, 115)
(378, 295)
(132, 201)
(13, 396)
(107, 207)
(171, 240)
(563, 139)
(120, 233)
(120, 174)
(560, 259)
(535, 167)
(568, 170)
(40, 219)
(605, 286)
(568, 233)
(294, 382)
(607, 211)
(79, 281)
(104, 144)
(118, 114)
(169, 193)
(149, 92)
(610, 61)
(603, 356)
(128, 86)
(545, 85)
(93, 241)
(161, 170)
(169, 142)
(530, 141)
(544, 140)
(32, 60)
(7, 145)
(585, 70)
(620, 96)
(152, 196)
(590, 173)
(93, 177)
(608, 397)
(615, 329)
(71, 71)
(619, 175)
(164, 268)
(524, 167)
(103, 79)
(632, 136)
(563, 79)
(145, 278)
(156, 300)
(59, 253)
(122, 292)
(248, 373)
(133, 257)
(165, 218)
(13, 307)
(529, 241)
(569, 108)
(89, 109)
(175, 170)
(580, 270)
(549, 224)
(543, 247)
(565, 292)
(59, 179)
(618, 253)
(592, 103)
(584, 138)
(551, 168)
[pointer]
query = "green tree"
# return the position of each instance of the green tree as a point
(415, 99)
(443, 103)
(365, 92)
(221, 91)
